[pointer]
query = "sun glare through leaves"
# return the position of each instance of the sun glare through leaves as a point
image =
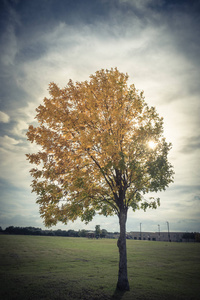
(152, 145)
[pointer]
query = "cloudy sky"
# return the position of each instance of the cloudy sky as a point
(156, 42)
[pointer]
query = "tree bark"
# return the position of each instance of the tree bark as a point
(122, 283)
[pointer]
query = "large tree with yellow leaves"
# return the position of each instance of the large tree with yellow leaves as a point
(102, 149)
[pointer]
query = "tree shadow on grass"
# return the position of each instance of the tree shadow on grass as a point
(118, 294)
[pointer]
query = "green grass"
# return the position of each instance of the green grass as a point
(34, 267)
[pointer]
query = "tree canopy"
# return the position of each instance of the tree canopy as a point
(102, 150)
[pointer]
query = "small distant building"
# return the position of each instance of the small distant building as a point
(90, 234)
(148, 236)
(111, 235)
(157, 236)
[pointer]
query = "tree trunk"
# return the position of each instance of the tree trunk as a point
(122, 283)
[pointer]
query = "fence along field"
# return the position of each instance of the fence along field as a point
(37, 267)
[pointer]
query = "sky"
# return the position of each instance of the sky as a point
(156, 42)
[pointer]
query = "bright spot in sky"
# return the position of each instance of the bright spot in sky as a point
(152, 144)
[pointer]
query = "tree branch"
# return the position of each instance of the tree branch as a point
(111, 185)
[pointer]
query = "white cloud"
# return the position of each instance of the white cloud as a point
(8, 142)
(20, 129)
(4, 118)
(14, 166)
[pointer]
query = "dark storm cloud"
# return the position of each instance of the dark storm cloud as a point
(24, 26)
(43, 15)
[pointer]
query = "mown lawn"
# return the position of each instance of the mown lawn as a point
(34, 267)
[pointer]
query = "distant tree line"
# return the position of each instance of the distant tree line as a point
(38, 231)
(97, 233)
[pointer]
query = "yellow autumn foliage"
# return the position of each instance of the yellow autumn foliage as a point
(94, 154)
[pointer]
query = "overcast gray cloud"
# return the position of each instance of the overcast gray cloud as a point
(155, 41)
(4, 118)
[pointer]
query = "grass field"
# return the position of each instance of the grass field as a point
(34, 267)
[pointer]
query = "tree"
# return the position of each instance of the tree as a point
(97, 231)
(102, 150)
(83, 233)
(103, 233)
(197, 237)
